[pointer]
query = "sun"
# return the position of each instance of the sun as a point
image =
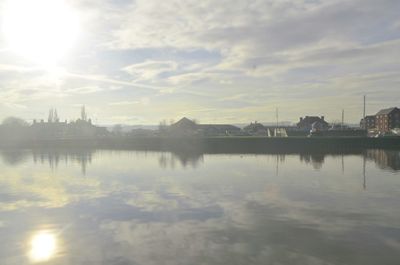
(43, 246)
(42, 31)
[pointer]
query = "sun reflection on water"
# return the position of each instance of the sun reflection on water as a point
(43, 246)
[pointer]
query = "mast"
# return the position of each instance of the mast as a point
(277, 122)
(364, 107)
(342, 118)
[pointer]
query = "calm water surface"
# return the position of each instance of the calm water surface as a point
(126, 207)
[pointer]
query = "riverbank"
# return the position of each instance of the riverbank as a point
(216, 144)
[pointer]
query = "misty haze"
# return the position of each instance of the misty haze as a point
(199, 132)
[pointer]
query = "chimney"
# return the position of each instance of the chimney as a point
(323, 118)
(301, 118)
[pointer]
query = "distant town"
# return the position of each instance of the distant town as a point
(383, 124)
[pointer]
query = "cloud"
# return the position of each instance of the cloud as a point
(18, 69)
(276, 52)
(83, 90)
(149, 70)
(142, 101)
(15, 106)
(247, 28)
(105, 79)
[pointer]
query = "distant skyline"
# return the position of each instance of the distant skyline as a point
(143, 61)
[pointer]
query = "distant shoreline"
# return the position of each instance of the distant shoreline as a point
(214, 144)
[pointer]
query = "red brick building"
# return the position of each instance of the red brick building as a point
(387, 119)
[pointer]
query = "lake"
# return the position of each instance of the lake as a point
(86, 207)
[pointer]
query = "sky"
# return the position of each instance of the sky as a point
(143, 61)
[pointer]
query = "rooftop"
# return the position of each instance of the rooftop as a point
(386, 111)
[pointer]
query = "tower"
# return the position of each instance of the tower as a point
(51, 115)
(55, 116)
(83, 113)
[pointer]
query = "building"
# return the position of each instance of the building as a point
(183, 127)
(184, 124)
(53, 129)
(255, 129)
(306, 123)
(62, 130)
(368, 122)
(48, 130)
(188, 127)
(387, 119)
(218, 129)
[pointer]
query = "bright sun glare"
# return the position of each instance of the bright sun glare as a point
(41, 30)
(43, 246)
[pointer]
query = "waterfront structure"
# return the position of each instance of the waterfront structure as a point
(255, 129)
(54, 129)
(188, 127)
(183, 125)
(63, 130)
(48, 130)
(309, 122)
(387, 119)
(368, 123)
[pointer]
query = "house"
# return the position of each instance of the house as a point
(255, 129)
(368, 122)
(306, 123)
(186, 126)
(318, 126)
(218, 129)
(387, 119)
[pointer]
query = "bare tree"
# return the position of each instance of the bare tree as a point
(162, 127)
(15, 122)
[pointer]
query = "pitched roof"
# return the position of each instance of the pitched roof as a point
(184, 122)
(386, 111)
(187, 124)
(254, 127)
(311, 120)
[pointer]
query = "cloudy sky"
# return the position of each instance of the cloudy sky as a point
(142, 61)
